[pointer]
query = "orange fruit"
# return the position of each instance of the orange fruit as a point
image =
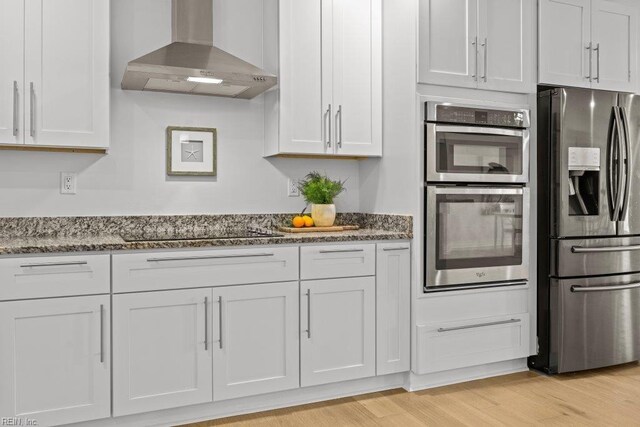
(298, 222)
(308, 221)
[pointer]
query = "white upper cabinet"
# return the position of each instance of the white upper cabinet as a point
(329, 66)
(505, 39)
(11, 71)
(55, 360)
(255, 339)
(564, 33)
(54, 82)
(484, 44)
(589, 43)
(448, 40)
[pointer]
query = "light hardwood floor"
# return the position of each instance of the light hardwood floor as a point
(605, 397)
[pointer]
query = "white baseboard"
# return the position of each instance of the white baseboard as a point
(455, 376)
(248, 405)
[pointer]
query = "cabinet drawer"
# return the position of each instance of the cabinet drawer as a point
(41, 277)
(189, 269)
(336, 261)
(452, 345)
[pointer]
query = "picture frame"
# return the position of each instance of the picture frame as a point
(192, 151)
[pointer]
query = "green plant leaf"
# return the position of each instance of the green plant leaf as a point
(319, 189)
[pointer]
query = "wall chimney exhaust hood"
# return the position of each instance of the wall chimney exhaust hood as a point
(191, 64)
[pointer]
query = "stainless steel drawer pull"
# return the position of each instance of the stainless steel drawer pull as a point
(395, 249)
(16, 107)
(576, 288)
(220, 320)
(585, 250)
(341, 251)
(201, 258)
(479, 325)
(206, 323)
(101, 333)
(54, 264)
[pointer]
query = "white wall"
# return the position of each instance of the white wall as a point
(131, 179)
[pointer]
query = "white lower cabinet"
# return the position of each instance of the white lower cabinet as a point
(54, 359)
(162, 350)
(393, 308)
(256, 345)
(337, 330)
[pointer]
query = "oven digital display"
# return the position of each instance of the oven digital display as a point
(482, 117)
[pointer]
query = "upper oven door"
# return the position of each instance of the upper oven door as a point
(476, 154)
(476, 235)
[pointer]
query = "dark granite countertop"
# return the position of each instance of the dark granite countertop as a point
(90, 234)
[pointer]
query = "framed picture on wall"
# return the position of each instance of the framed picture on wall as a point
(192, 151)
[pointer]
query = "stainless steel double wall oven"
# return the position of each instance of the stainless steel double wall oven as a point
(477, 202)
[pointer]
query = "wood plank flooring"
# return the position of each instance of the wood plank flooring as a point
(605, 397)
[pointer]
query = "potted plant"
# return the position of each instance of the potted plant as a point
(320, 191)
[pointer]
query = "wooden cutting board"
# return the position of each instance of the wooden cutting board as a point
(318, 229)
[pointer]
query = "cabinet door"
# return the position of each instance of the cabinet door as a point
(304, 97)
(11, 71)
(54, 359)
(505, 35)
(162, 351)
(564, 32)
(447, 45)
(393, 308)
(256, 347)
(67, 73)
(357, 77)
(615, 34)
(337, 327)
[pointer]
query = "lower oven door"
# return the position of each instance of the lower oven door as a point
(595, 322)
(476, 235)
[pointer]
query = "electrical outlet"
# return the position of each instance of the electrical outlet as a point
(292, 188)
(68, 182)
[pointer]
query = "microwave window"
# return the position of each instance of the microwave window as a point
(478, 153)
(478, 231)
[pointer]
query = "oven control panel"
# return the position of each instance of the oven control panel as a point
(444, 113)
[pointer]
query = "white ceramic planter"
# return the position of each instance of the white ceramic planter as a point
(323, 215)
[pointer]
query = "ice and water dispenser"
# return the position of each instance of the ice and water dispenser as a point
(584, 180)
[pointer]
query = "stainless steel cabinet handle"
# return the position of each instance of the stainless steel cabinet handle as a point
(309, 313)
(101, 333)
(200, 258)
(479, 325)
(341, 251)
(327, 123)
(339, 127)
(32, 111)
(54, 264)
(206, 323)
(15, 108)
(597, 49)
(576, 288)
(595, 249)
(395, 249)
(220, 321)
(485, 46)
(474, 43)
(590, 60)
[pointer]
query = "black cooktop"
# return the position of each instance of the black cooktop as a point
(173, 235)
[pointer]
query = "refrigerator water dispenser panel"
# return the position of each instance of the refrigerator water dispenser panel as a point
(584, 180)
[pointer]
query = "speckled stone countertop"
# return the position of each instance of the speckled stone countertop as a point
(88, 234)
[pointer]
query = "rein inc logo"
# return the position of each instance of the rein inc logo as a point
(17, 421)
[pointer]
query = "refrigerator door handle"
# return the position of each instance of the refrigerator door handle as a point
(625, 163)
(619, 169)
(576, 288)
(611, 187)
(595, 249)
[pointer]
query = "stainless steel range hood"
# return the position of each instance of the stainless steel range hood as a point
(191, 64)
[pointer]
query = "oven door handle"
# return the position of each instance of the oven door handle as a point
(480, 191)
(480, 130)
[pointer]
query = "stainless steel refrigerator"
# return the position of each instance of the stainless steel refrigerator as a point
(588, 230)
